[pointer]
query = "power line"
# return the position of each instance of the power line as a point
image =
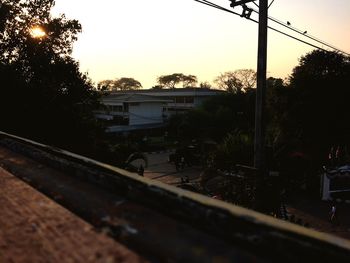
(270, 3)
(301, 32)
(253, 20)
(216, 6)
(208, 3)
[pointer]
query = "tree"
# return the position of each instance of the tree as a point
(43, 94)
(170, 81)
(127, 84)
(16, 43)
(157, 87)
(311, 112)
(205, 85)
(236, 81)
(188, 81)
(320, 91)
(229, 82)
(247, 78)
(106, 85)
(218, 116)
(4, 12)
(119, 84)
(235, 148)
(277, 96)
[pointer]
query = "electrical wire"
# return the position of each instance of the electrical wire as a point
(270, 3)
(208, 3)
(302, 33)
(253, 20)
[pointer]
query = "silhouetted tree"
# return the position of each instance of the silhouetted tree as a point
(229, 82)
(236, 81)
(319, 114)
(236, 148)
(309, 114)
(119, 84)
(205, 85)
(170, 81)
(43, 94)
(106, 85)
(218, 116)
(127, 84)
(247, 78)
(4, 12)
(277, 97)
(188, 81)
(157, 87)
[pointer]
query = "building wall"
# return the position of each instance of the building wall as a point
(128, 109)
(145, 113)
(199, 100)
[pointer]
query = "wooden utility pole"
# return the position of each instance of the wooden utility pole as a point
(259, 142)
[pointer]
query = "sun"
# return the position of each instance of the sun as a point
(37, 32)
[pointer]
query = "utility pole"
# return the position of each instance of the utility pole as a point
(259, 141)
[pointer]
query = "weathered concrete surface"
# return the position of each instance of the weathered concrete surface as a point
(33, 228)
(150, 233)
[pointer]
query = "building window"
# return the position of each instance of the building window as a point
(180, 100)
(126, 107)
(119, 120)
(118, 108)
(189, 100)
(184, 99)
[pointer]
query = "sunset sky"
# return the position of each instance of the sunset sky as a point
(146, 39)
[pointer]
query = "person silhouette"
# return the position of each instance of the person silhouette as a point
(141, 170)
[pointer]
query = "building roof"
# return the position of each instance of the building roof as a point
(172, 92)
(132, 97)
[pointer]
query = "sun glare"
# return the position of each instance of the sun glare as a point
(37, 32)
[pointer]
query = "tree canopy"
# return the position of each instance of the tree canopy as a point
(218, 116)
(120, 84)
(205, 85)
(170, 81)
(17, 45)
(44, 95)
(236, 81)
(312, 111)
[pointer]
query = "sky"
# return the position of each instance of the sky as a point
(146, 39)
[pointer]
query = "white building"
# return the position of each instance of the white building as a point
(335, 184)
(145, 109)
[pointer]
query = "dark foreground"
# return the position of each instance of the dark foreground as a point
(116, 216)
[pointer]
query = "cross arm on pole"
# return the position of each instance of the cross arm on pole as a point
(240, 2)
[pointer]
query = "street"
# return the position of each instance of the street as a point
(160, 169)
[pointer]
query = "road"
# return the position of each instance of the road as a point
(160, 169)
